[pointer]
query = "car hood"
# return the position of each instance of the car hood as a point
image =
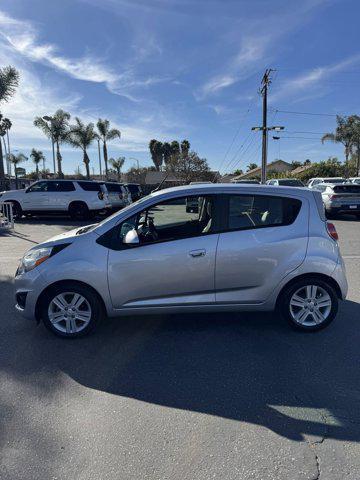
(70, 236)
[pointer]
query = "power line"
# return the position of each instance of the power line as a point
(303, 138)
(312, 133)
(308, 113)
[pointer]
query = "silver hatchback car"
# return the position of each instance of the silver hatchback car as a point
(245, 247)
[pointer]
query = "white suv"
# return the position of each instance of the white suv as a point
(78, 198)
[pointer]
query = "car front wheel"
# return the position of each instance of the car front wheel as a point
(71, 310)
(309, 304)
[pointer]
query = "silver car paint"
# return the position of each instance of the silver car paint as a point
(165, 276)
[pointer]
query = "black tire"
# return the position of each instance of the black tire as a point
(17, 210)
(67, 288)
(286, 296)
(79, 211)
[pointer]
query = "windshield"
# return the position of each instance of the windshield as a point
(124, 210)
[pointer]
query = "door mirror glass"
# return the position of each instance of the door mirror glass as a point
(131, 238)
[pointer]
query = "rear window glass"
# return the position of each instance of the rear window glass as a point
(347, 189)
(111, 187)
(256, 211)
(90, 186)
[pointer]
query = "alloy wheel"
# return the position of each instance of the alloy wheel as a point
(310, 305)
(69, 312)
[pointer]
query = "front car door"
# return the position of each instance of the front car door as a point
(59, 194)
(36, 196)
(174, 263)
(265, 238)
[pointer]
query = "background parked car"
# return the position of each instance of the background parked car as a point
(135, 191)
(355, 180)
(78, 198)
(119, 195)
(338, 199)
(252, 182)
(286, 182)
(317, 180)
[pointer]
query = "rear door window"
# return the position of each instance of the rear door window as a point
(259, 211)
(62, 186)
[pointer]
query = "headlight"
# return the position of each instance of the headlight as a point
(33, 258)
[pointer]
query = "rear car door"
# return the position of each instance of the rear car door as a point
(60, 194)
(174, 263)
(265, 238)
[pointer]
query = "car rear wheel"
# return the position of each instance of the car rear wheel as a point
(309, 304)
(79, 211)
(71, 310)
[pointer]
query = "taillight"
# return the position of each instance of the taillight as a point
(101, 195)
(332, 231)
(333, 196)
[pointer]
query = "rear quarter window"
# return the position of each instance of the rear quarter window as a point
(90, 186)
(259, 211)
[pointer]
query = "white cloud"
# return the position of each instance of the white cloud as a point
(23, 39)
(313, 82)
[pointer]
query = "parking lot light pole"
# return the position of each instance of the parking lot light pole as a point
(47, 118)
(100, 169)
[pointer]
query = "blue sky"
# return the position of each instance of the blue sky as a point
(174, 69)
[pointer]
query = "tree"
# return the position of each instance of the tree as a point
(166, 150)
(185, 147)
(15, 160)
(37, 156)
(9, 81)
(156, 152)
(190, 168)
(296, 164)
(81, 136)
(57, 129)
(117, 165)
(238, 172)
(251, 166)
(343, 134)
(354, 163)
(106, 134)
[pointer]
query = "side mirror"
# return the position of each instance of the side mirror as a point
(131, 238)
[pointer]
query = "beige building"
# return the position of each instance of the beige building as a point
(278, 166)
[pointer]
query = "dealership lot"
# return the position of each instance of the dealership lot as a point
(193, 397)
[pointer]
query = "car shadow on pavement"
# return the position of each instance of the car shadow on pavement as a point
(247, 367)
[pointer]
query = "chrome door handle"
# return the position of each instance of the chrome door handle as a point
(197, 253)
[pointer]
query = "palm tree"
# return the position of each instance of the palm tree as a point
(117, 165)
(82, 136)
(106, 134)
(37, 156)
(57, 129)
(15, 160)
(185, 147)
(9, 81)
(7, 125)
(156, 152)
(343, 134)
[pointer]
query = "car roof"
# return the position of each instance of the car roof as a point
(235, 188)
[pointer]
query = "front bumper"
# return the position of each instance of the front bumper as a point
(28, 287)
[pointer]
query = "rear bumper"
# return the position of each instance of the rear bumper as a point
(339, 275)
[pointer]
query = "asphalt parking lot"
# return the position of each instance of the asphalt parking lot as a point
(179, 397)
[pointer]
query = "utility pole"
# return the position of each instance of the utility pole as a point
(265, 82)
(264, 91)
